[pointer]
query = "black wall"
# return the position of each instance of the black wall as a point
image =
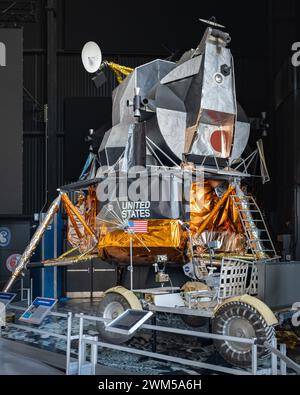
(11, 122)
(281, 195)
(141, 28)
(97, 111)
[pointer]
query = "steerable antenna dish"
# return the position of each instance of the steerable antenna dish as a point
(212, 22)
(91, 56)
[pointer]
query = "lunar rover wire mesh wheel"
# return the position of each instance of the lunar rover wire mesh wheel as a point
(241, 320)
(110, 307)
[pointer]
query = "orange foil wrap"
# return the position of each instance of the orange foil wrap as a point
(224, 226)
(163, 237)
(76, 233)
(166, 237)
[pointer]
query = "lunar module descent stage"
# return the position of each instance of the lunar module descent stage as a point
(180, 125)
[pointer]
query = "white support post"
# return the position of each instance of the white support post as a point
(31, 290)
(80, 344)
(68, 350)
(94, 357)
(28, 290)
(22, 290)
(274, 358)
(254, 359)
(282, 363)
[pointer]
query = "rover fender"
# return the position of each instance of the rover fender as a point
(131, 298)
(257, 304)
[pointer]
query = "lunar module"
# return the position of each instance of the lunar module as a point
(165, 190)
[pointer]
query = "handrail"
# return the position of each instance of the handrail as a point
(178, 331)
(68, 337)
(85, 340)
(289, 362)
(168, 358)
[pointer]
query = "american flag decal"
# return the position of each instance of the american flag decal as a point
(138, 226)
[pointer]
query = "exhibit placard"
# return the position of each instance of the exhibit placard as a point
(6, 298)
(38, 310)
(128, 322)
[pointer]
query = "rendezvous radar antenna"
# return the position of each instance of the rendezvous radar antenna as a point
(93, 63)
(91, 57)
(212, 22)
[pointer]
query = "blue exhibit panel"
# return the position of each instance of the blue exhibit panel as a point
(44, 302)
(38, 310)
(51, 246)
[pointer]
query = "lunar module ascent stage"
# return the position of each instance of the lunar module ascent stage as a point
(164, 190)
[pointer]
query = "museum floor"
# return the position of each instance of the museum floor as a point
(12, 362)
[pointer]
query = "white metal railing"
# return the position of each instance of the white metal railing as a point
(282, 357)
(26, 291)
(82, 366)
(67, 337)
(276, 355)
(85, 368)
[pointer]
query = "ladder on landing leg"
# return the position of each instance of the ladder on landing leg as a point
(255, 228)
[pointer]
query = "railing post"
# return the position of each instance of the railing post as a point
(94, 356)
(22, 290)
(274, 358)
(282, 363)
(31, 290)
(254, 358)
(69, 341)
(80, 345)
(154, 334)
(28, 297)
(2, 317)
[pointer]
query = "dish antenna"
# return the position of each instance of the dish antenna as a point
(91, 56)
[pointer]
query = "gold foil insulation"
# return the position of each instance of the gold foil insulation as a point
(233, 243)
(163, 237)
(220, 217)
(120, 71)
(211, 218)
